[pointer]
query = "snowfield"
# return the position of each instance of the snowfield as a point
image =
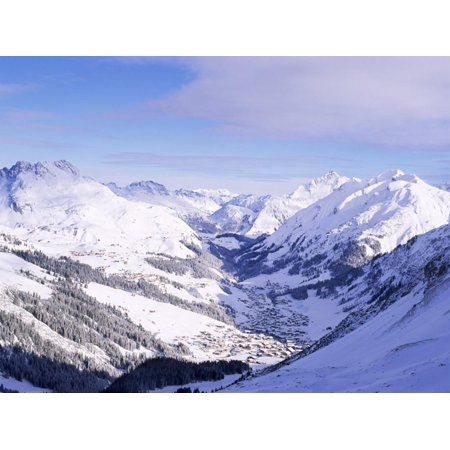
(202, 386)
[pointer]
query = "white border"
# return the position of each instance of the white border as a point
(233, 27)
(208, 27)
(240, 421)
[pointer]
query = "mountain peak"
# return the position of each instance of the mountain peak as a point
(392, 174)
(149, 186)
(41, 169)
(331, 174)
(66, 166)
(330, 178)
(322, 185)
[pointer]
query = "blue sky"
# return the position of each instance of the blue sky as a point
(247, 124)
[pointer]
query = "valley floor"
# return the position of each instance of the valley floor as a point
(404, 349)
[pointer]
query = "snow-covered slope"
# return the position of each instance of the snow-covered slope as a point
(54, 207)
(395, 336)
(28, 327)
(206, 338)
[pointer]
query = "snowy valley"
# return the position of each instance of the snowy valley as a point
(341, 285)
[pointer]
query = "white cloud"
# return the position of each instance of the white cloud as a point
(389, 101)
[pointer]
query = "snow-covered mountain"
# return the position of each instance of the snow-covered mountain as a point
(394, 335)
(356, 222)
(257, 215)
(102, 277)
(239, 214)
(51, 205)
(206, 200)
(81, 327)
(324, 247)
(221, 211)
(193, 206)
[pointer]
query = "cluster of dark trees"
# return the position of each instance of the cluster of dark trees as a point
(52, 374)
(304, 266)
(70, 269)
(10, 239)
(187, 390)
(199, 267)
(160, 372)
(25, 354)
(180, 266)
(436, 268)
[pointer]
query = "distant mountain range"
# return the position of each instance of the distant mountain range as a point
(226, 212)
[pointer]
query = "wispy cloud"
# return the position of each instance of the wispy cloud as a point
(257, 167)
(26, 115)
(15, 88)
(144, 60)
(40, 144)
(25, 120)
(399, 102)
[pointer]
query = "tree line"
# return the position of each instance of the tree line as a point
(160, 372)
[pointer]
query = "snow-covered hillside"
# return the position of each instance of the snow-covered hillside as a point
(66, 316)
(60, 211)
(52, 208)
(395, 336)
